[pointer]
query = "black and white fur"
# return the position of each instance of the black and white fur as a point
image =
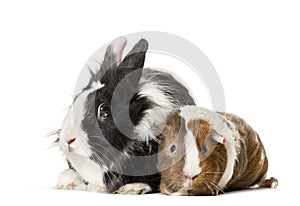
(151, 95)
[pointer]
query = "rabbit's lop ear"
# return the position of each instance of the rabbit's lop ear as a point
(113, 54)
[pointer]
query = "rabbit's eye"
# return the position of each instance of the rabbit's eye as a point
(103, 111)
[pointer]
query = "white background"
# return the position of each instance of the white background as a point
(254, 46)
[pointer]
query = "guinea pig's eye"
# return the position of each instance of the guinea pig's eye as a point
(173, 149)
(203, 149)
(103, 111)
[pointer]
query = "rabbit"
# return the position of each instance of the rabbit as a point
(202, 152)
(105, 152)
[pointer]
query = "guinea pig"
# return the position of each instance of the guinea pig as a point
(202, 152)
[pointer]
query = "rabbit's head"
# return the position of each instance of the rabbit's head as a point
(101, 119)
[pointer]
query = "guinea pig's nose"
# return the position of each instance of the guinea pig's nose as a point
(192, 177)
(195, 176)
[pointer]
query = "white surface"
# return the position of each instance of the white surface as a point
(254, 46)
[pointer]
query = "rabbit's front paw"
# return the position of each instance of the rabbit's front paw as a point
(134, 189)
(69, 179)
(96, 188)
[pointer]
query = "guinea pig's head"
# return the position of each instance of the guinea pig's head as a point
(192, 156)
(92, 125)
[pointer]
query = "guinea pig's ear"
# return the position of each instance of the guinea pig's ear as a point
(113, 54)
(213, 134)
(134, 61)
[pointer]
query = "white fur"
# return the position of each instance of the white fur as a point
(70, 179)
(218, 121)
(274, 184)
(134, 189)
(72, 125)
(153, 122)
(231, 157)
(71, 128)
(188, 184)
(192, 161)
(254, 186)
(97, 85)
(190, 112)
(219, 138)
(80, 149)
(88, 169)
(68, 132)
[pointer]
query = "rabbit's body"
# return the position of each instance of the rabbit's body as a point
(109, 134)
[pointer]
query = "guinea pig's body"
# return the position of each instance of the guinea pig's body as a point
(204, 152)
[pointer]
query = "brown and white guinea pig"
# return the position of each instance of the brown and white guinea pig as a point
(202, 152)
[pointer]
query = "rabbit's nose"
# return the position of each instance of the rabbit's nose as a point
(71, 140)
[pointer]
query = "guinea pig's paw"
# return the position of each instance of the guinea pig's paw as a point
(134, 189)
(96, 188)
(69, 179)
(267, 183)
(273, 182)
(181, 192)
